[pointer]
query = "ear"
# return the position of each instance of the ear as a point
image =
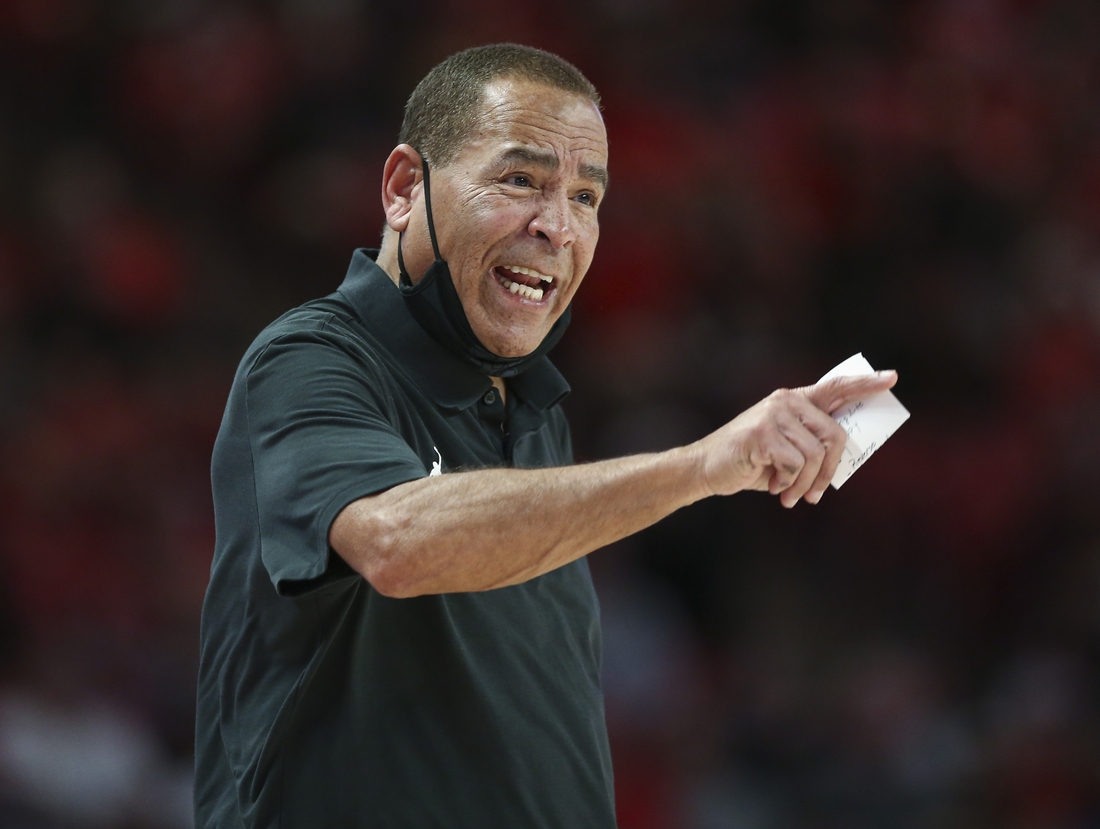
(401, 183)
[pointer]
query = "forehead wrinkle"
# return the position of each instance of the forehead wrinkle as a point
(503, 115)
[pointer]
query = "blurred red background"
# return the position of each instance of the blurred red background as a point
(793, 181)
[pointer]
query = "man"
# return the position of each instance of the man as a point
(400, 628)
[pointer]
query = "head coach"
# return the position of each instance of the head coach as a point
(400, 628)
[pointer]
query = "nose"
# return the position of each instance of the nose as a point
(554, 221)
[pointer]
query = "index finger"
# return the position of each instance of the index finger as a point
(829, 395)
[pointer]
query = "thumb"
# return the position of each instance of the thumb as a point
(829, 395)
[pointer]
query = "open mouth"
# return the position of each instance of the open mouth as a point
(524, 282)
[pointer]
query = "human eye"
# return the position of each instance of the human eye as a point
(518, 180)
(587, 198)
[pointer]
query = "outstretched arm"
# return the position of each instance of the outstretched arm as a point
(479, 530)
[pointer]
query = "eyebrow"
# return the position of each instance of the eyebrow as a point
(549, 161)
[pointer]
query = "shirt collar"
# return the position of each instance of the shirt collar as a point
(450, 382)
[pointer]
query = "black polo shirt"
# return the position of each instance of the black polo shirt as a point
(323, 703)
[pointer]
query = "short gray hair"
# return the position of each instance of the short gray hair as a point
(441, 114)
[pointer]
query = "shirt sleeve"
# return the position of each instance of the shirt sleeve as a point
(321, 433)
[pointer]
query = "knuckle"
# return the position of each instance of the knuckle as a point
(759, 433)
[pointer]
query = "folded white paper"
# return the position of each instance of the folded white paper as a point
(869, 421)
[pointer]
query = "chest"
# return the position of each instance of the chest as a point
(486, 434)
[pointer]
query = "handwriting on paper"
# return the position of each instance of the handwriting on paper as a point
(848, 420)
(868, 421)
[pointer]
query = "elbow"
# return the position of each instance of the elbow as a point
(389, 580)
(369, 542)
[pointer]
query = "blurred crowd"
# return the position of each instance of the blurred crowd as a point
(793, 181)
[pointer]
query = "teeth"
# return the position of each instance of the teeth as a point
(523, 290)
(528, 272)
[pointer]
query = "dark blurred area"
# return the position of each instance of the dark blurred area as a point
(793, 181)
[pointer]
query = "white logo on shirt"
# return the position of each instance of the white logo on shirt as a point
(437, 466)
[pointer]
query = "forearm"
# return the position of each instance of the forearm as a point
(469, 531)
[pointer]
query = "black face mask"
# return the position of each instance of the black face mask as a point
(434, 303)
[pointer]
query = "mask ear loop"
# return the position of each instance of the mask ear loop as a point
(431, 225)
(428, 200)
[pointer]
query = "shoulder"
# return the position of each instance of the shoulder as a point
(323, 332)
(321, 320)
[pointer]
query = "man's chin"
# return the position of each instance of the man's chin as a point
(512, 353)
(515, 340)
(513, 348)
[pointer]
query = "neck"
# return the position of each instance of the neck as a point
(387, 256)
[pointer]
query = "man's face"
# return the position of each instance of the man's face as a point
(523, 194)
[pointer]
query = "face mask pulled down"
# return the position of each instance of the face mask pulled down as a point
(434, 303)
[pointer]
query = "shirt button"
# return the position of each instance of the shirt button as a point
(490, 397)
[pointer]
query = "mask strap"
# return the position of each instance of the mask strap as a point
(431, 226)
(428, 200)
(405, 280)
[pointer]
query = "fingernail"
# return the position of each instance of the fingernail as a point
(814, 497)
